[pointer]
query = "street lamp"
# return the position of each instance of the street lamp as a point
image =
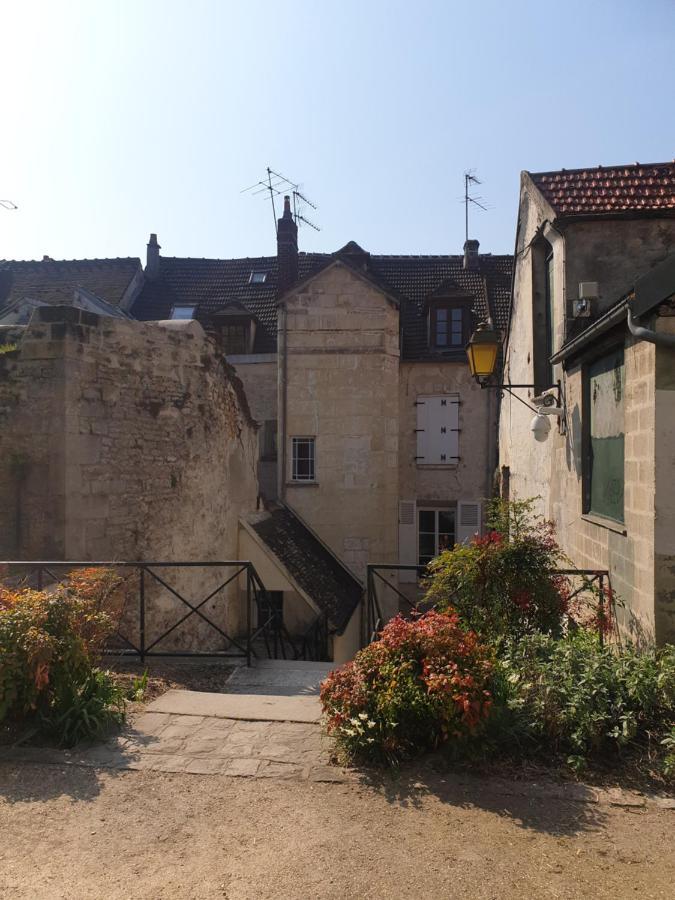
(482, 352)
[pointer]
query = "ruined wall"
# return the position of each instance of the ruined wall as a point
(342, 384)
(135, 443)
(664, 526)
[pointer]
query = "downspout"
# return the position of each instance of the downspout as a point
(646, 334)
(282, 393)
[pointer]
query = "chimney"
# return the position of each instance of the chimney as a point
(152, 258)
(287, 250)
(471, 254)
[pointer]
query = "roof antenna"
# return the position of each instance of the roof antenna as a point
(469, 179)
(7, 204)
(276, 184)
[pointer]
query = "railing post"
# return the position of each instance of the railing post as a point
(601, 610)
(249, 600)
(141, 591)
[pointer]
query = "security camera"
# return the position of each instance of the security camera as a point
(550, 411)
(547, 398)
(540, 427)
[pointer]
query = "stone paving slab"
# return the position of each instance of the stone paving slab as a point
(251, 707)
(279, 677)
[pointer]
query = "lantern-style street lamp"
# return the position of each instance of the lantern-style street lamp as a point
(482, 352)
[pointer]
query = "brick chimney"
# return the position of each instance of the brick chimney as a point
(287, 250)
(152, 258)
(471, 254)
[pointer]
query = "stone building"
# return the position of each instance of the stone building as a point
(374, 440)
(592, 313)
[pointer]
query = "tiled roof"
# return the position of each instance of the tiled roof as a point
(55, 280)
(610, 190)
(314, 568)
(211, 283)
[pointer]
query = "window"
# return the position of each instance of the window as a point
(303, 459)
(235, 339)
(437, 430)
(449, 325)
(257, 278)
(435, 533)
(604, 388)
(183, 312)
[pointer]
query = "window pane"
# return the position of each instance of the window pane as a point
(183, 312)
(606, 388)
(235, 338)
(446, 521)
(427, 521)
(303, 459)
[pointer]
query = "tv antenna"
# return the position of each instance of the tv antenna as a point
(7, 204)
(470, 179)
(276, 185)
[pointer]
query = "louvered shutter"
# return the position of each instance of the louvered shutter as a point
(438, 430)
(407, 538)
(468, 521)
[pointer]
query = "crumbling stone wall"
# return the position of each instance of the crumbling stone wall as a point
(125, 440)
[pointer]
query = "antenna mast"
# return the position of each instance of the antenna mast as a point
(276, 184)
(469, 179)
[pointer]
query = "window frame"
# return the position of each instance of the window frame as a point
(436, 510)
(257, 277)
(246, 335)
(586, 436)
(296, 440)
(449, 306)
(177, 306)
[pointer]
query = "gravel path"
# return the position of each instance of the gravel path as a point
(78, 832)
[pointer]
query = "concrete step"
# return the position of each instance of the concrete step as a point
(251, 707)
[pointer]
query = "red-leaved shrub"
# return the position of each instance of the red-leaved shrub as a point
(422, 683)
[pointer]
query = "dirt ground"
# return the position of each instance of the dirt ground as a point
(84, 833)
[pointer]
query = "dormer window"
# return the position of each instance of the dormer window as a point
(235, 338)
(449, 326)
(183, 312)
(258, 278)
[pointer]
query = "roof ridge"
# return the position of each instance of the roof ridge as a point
(601, 168)
(44, 262)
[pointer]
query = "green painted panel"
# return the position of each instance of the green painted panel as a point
(606, 398)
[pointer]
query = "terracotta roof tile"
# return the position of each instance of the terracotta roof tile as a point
(610, 191)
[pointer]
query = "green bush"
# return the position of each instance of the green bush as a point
(584, 701)
(50, 642)
(504, 584)
(422, 683)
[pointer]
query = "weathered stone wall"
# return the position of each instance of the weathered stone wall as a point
(342, 387)
(133, 441)
(613, 254)
(664, 526)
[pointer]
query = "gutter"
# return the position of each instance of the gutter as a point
(611, 318)
(646, 334)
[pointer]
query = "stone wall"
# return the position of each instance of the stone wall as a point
(613, 254)
(342, 387)
(125, 440)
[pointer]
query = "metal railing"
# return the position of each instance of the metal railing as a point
(269, 632)
(594, 581)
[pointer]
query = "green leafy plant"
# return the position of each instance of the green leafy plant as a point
(424, 682)
(504, 583)
(50, 642)
(587, 702)
(138, 687)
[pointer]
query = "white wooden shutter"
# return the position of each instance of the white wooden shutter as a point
(407, 538)
(468, 522)
(438, 430)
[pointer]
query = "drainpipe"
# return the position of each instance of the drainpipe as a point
(646, 334)
(281, 401)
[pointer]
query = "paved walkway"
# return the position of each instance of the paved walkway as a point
(268, 727)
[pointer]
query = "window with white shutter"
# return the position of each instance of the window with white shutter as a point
(468, 521)
(407, 539)
(437, 430)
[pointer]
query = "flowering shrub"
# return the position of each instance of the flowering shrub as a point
(588, 702)
(49, 643)
(504, 583)
(422, 683)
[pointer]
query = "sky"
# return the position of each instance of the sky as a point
(126, 117)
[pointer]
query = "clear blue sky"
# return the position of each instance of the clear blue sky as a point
(128, 116)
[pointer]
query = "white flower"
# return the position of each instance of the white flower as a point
(350, 732)
(371, 740)
(370, 723)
